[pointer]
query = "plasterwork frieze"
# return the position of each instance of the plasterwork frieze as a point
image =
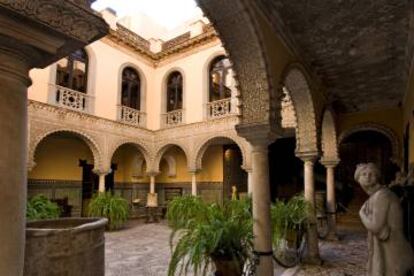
(63, 16)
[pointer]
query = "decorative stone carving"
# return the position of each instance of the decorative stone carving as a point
(72, 99)
(104, 136)
(219, 108)
(389, 253)
(250, 66)
(303, 102)
(329, 139)
(63, 16)
(287, 111)
(173, 118)
(131, 116)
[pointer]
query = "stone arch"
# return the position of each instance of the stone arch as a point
(161, 150)
(380, 128)
(196, 162)
(329, 138)
(297, 84)
(164, 87)
(143, 80)
(143, 149)
(250, 61)
(92, 144)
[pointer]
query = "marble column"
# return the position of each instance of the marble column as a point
(101, 173)
(14, 81)
(249, 181)
(152, 184)
(193, 183)
(312, 253)
(331, 198)
(261, 208)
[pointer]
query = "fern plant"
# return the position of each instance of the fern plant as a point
(40, 207)
(288, 216)
(203, 233)
(112, 207)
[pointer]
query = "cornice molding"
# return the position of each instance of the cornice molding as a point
(136, 43)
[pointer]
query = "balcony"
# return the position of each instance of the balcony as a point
(172, 118)
(68, 98)
(131, 116)
(220, 109)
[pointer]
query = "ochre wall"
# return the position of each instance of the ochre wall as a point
(58, 157)
(212, 166)
(391, 118)
(408, 118)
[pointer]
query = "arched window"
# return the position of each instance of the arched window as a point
(219, 75)
(72, 71)
(174, 91)
(131, 88)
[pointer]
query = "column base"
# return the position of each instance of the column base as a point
(312, 260)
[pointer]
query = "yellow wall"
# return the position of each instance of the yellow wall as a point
(57, 157)
(212, 166)
(391, 118)
(408, 108)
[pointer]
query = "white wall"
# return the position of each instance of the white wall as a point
(106, 59)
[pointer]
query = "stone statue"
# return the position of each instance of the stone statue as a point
(389, 253)
(234, 192)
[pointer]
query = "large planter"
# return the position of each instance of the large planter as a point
(67, 246)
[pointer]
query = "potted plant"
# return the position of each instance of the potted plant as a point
(40, 207)
(209, 233)
(289, 221)
(112, 207)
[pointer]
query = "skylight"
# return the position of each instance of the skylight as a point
(167, 13)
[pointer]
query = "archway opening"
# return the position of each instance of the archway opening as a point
(222, 171)
(127, 177)
(174, 178)
(60, 175)
(362, 147)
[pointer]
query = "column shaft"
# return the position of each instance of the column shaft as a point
(261, 209)
(102, 183)
(194, 184)
(312, 232)
(152, 184)
(249, 182)
(330, 202)
(13, 154)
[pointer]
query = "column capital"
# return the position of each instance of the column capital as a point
(247, 169)
(102, 171)
(307, 156)
(193, 171)
(329, 163)
(257, 134)
(152, 173)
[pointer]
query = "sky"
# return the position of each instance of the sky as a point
(168, 13)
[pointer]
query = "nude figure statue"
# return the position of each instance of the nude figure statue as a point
(389, 253)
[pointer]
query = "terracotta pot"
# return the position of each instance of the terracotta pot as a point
(226, 266)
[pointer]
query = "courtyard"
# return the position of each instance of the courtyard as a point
(143, 250)
(118, 101)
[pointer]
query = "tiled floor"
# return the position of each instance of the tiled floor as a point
(143, 250)
(341, 258)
